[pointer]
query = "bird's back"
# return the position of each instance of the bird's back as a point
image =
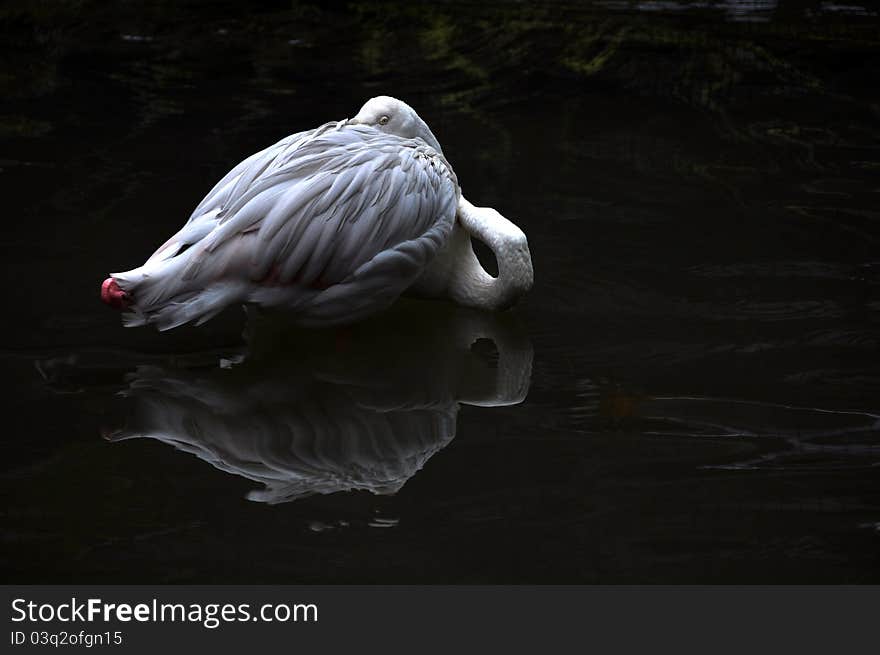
(331, 224)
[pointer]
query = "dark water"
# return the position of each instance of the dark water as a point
(697, 362)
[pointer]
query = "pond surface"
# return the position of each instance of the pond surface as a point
(690, 393)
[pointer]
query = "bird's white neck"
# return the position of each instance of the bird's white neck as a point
(457, 273)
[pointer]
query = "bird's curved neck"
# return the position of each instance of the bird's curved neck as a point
(470, 284)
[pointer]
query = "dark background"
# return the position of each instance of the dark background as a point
(699, 184)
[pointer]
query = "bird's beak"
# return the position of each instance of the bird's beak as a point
(352, 121)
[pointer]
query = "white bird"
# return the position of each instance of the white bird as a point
(331, 225)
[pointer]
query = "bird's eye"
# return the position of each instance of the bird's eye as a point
(384, 120)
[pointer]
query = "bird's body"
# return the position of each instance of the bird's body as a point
(331, 225)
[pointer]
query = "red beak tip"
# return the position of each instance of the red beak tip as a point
(112, 295)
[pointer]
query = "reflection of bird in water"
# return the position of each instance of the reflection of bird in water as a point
(358, 408)
(330, 225)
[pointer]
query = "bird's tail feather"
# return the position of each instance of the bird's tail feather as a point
(158, 295)
(191, 233)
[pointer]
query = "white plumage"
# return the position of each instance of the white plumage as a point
(331, 225)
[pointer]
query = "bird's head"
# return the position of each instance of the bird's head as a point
(394, 116)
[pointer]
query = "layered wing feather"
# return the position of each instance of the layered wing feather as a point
(204, 217)
(333, 224)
